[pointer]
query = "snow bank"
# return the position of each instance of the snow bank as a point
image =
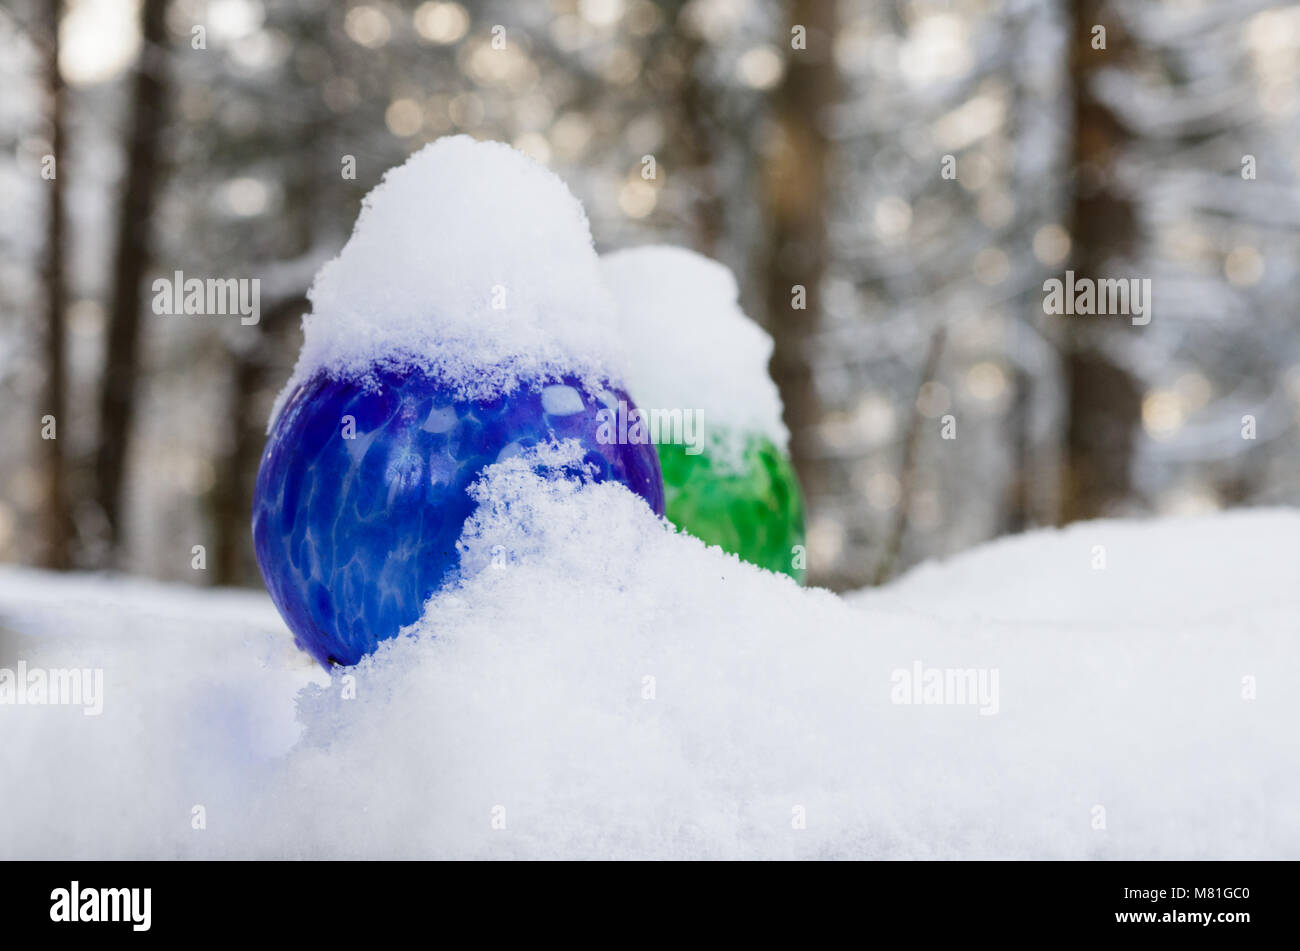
(599, 685)
(471, 261)
(198, 700)
(1204, 570)
(690, 346)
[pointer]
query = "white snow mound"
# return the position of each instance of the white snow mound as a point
(690, 346)
(598, 685)
(471, 261)
(1203, 569)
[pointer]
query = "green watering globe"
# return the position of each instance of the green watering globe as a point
(697, 368)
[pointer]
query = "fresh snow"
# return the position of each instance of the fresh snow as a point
(598, 685)
(471, 261)
(691, 347)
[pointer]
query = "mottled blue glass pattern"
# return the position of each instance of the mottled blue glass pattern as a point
(354, 534)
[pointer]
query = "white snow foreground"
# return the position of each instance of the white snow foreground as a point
(599, 686)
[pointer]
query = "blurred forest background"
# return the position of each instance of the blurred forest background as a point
(1172, 154)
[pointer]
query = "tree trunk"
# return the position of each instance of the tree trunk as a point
(699, 129)
(1019, 507)
(1104, 401)
(796, 189)
(56, 526)
(232, 495)
(134, 226)
(909, 464)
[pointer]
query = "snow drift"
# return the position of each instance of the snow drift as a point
(596, 685)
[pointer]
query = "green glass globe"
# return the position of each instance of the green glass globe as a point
(753, 510)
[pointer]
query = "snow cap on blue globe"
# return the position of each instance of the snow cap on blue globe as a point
(472, 262)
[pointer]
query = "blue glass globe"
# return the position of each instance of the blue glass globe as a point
(355, 522)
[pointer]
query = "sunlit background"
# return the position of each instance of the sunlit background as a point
(208, 138)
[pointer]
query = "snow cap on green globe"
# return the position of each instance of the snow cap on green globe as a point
(697, 370)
